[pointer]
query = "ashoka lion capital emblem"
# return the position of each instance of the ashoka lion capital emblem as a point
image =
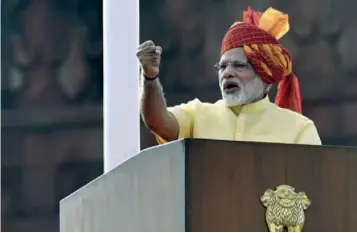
(285, 208)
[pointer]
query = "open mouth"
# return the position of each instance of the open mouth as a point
(230, 87)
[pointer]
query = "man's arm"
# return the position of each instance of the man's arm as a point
(168, 124)
(154, 110)
(152, 105)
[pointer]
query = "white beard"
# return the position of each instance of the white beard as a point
(247, 93)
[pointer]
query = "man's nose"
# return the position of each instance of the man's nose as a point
(228, 72)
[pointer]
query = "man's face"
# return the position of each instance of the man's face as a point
(238, 81)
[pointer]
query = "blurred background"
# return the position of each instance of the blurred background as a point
(52, 84)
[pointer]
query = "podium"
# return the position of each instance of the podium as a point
(212, 185)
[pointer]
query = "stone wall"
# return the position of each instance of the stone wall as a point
(51, 119)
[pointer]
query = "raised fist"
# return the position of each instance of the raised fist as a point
(149, 56)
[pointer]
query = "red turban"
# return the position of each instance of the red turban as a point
(258, 35)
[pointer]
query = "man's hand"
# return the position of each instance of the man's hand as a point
(149, 56)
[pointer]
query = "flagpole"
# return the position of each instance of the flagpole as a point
(121, 81)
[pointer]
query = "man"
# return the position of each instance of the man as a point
(251, 61)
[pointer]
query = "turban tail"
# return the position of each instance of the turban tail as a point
(258, 35)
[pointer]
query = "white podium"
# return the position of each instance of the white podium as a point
(144, 193)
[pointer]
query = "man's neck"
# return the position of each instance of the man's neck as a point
(260, 98)
(238, 108)
(254, 101)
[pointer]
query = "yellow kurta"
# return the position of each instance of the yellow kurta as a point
(261, 121)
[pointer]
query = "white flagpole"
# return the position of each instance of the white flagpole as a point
(121, 81)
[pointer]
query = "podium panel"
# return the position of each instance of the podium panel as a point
(145, 193)
(212, 185)
(227, 180)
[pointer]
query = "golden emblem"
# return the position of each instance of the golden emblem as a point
(285, 208)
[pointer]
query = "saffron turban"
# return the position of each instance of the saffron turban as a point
(258, 35)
